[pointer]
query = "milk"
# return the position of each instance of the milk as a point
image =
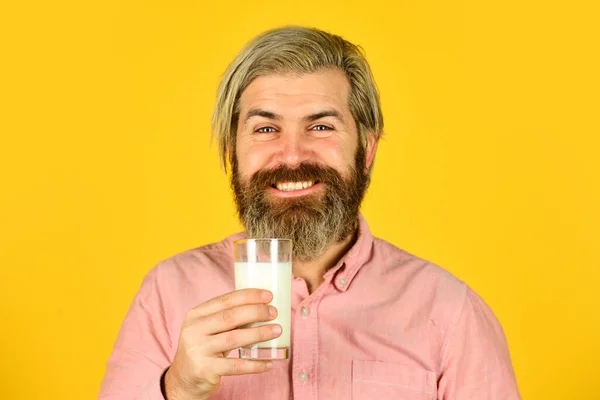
(276, 277)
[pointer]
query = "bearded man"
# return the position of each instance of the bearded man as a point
(298, 120)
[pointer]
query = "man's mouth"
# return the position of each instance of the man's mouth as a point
(293, 186)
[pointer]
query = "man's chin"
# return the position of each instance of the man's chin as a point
(294, 213)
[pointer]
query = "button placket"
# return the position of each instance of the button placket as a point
(306, 355)
(303, 376)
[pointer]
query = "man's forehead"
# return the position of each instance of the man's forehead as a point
(323, 89)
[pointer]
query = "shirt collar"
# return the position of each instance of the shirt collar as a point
(343, 273)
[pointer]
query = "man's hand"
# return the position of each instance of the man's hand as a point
(209, 332)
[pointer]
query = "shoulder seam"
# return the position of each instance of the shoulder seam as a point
(452, 328)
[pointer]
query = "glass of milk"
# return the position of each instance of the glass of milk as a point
(267, 264)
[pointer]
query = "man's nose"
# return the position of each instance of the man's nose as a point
(295, 148)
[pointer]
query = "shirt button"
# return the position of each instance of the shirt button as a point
(342, 282)
(304, 311)
(303, 376)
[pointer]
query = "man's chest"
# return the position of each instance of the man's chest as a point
(350, 353)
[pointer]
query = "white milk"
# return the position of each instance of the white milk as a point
(276, 277)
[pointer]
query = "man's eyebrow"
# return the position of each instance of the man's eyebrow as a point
(323, 114)
(259, 112)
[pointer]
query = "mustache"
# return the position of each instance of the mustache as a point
(303, 172)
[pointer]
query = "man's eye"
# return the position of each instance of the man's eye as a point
(321, 128)
(266, 129)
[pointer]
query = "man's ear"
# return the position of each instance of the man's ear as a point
(371, 149)
(229, 148)
(225, 158)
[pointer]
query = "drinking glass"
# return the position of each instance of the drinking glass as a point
(267, 264)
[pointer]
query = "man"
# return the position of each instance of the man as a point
(298, 119)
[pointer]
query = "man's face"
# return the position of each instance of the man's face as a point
(299, 171)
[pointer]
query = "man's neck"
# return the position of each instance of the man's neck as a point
(312, 271)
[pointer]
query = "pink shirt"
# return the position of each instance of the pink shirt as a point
(383, 325)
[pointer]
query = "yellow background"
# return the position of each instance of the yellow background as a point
(489, 166)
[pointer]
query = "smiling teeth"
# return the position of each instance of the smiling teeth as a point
(291, 186)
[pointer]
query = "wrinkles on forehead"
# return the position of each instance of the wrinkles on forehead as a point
(306, 97)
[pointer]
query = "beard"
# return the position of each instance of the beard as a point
(314, 221)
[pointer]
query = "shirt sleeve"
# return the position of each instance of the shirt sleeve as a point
(141, 351)
(475, 362)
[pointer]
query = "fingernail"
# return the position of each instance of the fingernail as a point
(269, 365)
(266, 295)
(277, 329)
(272, 311)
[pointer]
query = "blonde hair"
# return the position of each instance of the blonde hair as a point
(298, 50)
